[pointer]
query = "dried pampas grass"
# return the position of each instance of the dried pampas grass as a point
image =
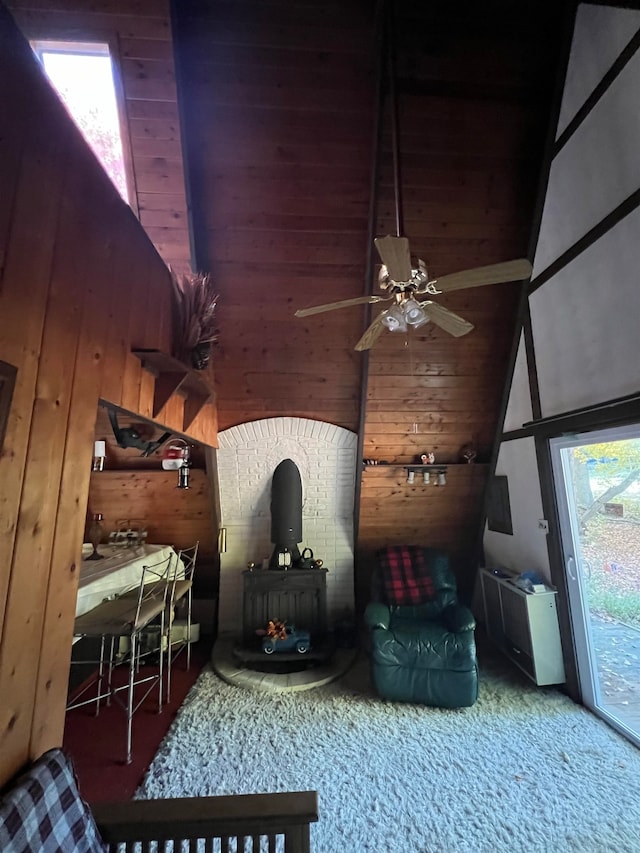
(195, 303)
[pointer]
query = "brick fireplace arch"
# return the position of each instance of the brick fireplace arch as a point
(247, 457)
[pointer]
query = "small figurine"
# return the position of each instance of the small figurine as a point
(468, 453)
(428, 458)
(276, 629)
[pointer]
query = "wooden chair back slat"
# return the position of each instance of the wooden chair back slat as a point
(226, 819)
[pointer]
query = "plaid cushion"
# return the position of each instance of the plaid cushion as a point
(44, 813)
(406, 575)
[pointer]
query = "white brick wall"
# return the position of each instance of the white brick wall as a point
(248, 454)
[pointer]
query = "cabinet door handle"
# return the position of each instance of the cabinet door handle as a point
(571, 565)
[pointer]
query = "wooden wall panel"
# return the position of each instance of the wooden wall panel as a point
(92, 278)
(27, 457)
(28, 255)
(394, 512)
(140, 35)
(175, 516)
(69, 246)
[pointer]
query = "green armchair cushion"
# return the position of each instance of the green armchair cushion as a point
(458, 618)
(423, 645)
(377, 615)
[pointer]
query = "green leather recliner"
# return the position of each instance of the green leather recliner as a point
(422, 639)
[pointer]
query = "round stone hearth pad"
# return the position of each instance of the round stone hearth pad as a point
(226, 665)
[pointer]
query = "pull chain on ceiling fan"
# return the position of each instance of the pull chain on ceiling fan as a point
(398, 278)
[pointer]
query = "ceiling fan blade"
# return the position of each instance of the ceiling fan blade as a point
(345, 303)
(492, 274)
(371, 334)
(447, 320)
(394, 252)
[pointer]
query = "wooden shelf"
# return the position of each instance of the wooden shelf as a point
(174, 377)
(418, 466)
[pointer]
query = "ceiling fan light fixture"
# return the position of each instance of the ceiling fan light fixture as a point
(413, 313)
(393, 318)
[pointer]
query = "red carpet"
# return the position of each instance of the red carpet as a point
(97, 744)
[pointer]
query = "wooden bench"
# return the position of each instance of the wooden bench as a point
(43, 812)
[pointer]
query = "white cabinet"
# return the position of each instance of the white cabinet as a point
(525, 626)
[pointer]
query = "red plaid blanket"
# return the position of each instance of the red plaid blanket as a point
(406, 575)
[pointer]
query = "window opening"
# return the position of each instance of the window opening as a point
(82, 75)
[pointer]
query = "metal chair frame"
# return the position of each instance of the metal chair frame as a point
(180, 588)
(127, 615)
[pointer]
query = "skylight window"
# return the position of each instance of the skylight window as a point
(82, 75)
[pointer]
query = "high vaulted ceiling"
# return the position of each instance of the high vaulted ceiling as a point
(280, 118)
(288, 189)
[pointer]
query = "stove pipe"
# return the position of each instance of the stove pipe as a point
(286, 515)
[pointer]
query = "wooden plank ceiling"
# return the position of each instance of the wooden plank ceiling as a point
(280, 100)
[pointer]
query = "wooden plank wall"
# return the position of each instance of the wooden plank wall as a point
(140, 36)
(172, 516)
(279, 103)
(80, 285)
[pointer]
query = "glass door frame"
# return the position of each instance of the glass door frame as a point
(568, 537)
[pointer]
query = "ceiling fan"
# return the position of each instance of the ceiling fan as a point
(401, 281)
(404, 283)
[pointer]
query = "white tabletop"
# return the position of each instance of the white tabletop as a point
(120, 569)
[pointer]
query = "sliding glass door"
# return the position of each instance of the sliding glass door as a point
(597, 482)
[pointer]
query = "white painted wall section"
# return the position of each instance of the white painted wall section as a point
(519, 406)
(600, 35)
(527, 548)
(586, 324)
(595, 171)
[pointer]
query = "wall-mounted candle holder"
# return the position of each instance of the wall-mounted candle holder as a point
(99, 454)
(436, 474)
